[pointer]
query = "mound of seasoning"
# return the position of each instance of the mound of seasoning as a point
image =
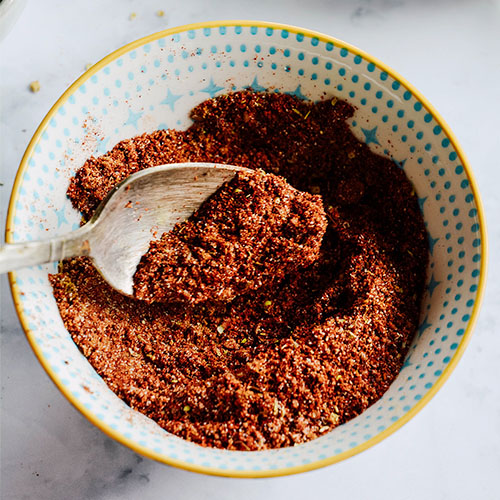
(251, 233)
(286, 362)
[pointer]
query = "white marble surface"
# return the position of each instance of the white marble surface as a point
(451, 450)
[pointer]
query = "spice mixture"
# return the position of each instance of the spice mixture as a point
(288, 361)
(250, 234)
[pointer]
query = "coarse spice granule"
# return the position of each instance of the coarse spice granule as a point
(289, 361)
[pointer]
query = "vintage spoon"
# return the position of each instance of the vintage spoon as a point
(146, 204)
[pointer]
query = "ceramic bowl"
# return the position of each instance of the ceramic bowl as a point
(153, 83)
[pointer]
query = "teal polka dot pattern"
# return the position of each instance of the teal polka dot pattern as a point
(154, 85)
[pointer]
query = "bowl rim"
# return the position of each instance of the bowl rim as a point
(214, 470)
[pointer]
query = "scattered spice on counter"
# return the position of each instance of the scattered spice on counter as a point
(35, 86)
(251, 233)
(286, 362)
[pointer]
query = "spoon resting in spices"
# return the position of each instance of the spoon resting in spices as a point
(148, 202)
(251, 231)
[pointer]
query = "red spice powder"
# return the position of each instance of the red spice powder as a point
(251, 233)
(286, 362)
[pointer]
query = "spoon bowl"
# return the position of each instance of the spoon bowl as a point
(143, 206)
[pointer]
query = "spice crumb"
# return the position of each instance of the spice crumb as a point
(35, 86)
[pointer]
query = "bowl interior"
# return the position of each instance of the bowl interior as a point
(153, 84)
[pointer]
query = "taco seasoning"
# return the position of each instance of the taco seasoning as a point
(285, 362)
(251, 233)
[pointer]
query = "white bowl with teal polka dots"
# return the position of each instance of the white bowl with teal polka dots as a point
(153, 83)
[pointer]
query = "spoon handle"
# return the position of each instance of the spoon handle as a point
(17, 255)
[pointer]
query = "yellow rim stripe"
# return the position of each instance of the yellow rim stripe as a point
(212, 470)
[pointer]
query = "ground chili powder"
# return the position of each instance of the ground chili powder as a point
(291, 360)
(251, 233)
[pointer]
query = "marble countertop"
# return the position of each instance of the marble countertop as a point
(451, 450)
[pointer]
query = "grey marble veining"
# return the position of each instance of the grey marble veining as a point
(451, 450)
